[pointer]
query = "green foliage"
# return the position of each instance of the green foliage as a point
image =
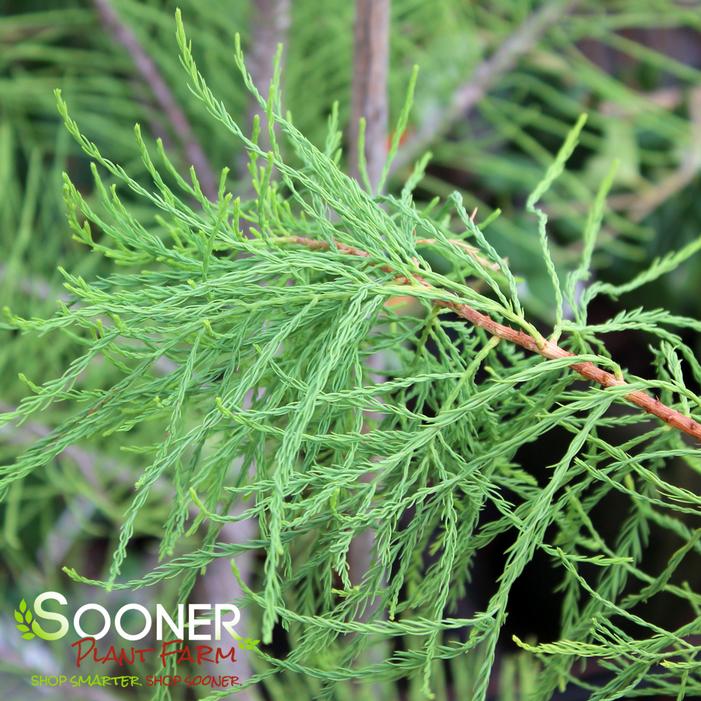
(235, 377)
(242, 365)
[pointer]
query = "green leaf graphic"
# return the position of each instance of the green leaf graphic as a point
(24, 618)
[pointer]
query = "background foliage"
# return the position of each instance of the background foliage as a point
(633, 67)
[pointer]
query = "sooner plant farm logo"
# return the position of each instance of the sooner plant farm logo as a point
(133, 622)
(225, 618)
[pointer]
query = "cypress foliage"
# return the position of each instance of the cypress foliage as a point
(241, 337)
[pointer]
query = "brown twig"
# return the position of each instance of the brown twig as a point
(470, 250)
(161, 92)
(269, 27)
(547, 349)
(369, 89)
(482, 79)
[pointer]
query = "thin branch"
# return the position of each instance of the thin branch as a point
(369, 90)
(470, 250)
(483, 78)
(70, 523)
(161, 92)
(546, 349)
(85, 460)
(269, 27)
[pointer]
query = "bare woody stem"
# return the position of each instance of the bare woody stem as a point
(369, 89)
(546, 349)
(149, 72)
(270, 25)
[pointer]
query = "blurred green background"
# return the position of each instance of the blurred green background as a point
(633, 65)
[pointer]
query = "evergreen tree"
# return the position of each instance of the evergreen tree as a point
(340, 361)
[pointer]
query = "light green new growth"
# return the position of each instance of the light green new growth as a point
(271, 401)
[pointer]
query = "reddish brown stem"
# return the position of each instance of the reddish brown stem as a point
(547, 349)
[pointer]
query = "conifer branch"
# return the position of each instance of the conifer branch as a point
(543, 347)
(468, 94)
(148, 70)
(277, 400)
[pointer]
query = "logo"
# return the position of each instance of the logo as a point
(195, 622)
(215, 624)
